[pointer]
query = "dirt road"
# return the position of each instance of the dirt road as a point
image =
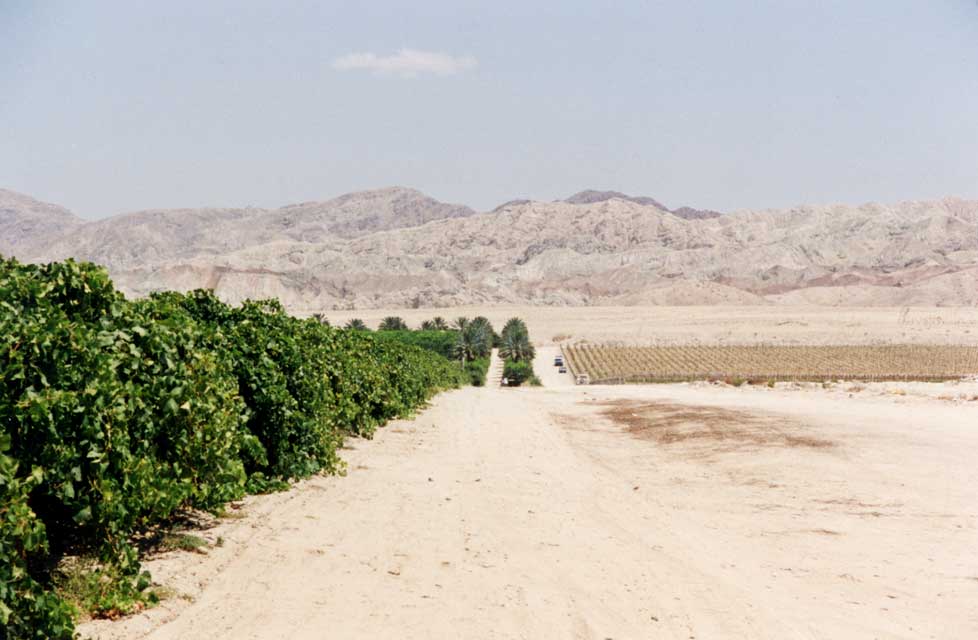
(666, 511)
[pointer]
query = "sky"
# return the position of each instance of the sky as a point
(108, 107)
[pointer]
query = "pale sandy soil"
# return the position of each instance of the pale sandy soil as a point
(715, 325)
(672, 511)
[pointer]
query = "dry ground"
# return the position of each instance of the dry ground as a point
(671, 511)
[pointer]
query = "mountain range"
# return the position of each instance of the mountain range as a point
(396, 247)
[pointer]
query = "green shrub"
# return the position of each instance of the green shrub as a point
(517, 372)
(116, 414)
(476, 370)
(440, 342)
(129, 419)
(27, 610)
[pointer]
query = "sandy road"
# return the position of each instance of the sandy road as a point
(531, 513)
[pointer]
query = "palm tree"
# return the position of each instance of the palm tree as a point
(474, 341)
(439, 323)
(514, 324)
(321, 318)
(515, 341)
(460, 323)
(427, 325)
(516, 346)
(392, 323)
(357, 325)
(462, 348)
(488, 336)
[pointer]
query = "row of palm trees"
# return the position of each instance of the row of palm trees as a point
(476, 336)
(397, 323)
(437, 324)
(474, 340)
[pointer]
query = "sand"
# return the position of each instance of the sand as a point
(670, 511)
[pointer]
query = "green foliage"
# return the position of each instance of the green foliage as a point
(445, 343)
(393, 323)
(474, 340)
(27, 610)
(476, 371)
(127, 417)
(514, 325)
(517, 372)
(515, 342)
(117, 414)
(481, 326)
(102, 590)
(281, 367)
(356, 324)
(440, 342)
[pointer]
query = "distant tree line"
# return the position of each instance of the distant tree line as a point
(467, 340)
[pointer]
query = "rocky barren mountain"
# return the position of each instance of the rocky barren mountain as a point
(591, 196)
(397, 247)
(26, 223)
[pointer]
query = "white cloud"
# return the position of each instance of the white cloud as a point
(406, 63)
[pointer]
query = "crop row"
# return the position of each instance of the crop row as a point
(611, 364)
(115, 415)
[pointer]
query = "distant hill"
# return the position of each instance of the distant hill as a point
(591, 196)
(689, 213)
(146, 237)
(25, 222)
(356, 214)
(398, 247)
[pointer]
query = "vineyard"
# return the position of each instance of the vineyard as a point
(621, 364)
(117, 415)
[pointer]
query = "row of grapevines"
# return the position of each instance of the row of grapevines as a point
(611, 363)
(116, 414)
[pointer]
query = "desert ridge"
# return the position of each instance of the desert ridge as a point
(399, 248)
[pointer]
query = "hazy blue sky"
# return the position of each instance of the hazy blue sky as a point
(108, 107)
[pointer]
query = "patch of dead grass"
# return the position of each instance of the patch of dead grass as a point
(717, 429)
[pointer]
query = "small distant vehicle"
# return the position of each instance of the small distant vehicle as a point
(562, 370)
(558, 361)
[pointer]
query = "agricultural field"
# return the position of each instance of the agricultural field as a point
(874, 363)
